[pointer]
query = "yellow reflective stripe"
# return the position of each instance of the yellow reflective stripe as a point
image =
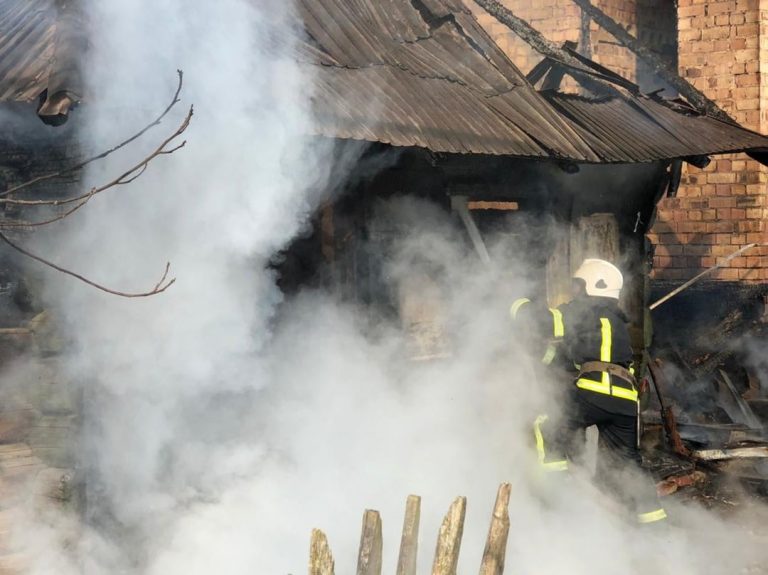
(652, 516)
(607, 336)
(606, 347)
(539, 437)
(518, 303)
(557, 320)
(624, 393)
(550, 354)
(556, 465)
(597, 386)
(607, 389)
(561, 465)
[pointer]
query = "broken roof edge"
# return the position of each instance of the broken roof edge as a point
(43, 44)
(752, 153)
(446, 152)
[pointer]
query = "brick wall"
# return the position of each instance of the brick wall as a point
(722, 44)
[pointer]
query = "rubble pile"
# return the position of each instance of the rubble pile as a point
(706, 408)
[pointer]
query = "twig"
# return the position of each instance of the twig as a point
(160, 286)
(125, 178)
(106, 153)
(23, 224)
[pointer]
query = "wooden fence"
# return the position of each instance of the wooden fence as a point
(448, 541)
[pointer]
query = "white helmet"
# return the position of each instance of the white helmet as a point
(602, 278)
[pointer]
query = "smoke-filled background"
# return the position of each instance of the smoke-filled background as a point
(223, 422)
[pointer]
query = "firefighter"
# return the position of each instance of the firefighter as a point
(586, 341)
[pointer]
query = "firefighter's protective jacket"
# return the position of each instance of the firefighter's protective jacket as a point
(589, 331)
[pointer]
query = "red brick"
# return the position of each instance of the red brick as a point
(749, 274)
(721, 178)
(696, 250)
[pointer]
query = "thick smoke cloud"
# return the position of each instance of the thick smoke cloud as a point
(221, 422)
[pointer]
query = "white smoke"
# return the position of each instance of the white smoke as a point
(223, 423)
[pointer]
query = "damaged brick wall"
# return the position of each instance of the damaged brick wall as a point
(722, 44)
(561, 21)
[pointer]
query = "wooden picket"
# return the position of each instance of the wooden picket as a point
(320, 557)
(498, 533)
(409, 543)
(449, 539)
(446, 550)
(369, 556)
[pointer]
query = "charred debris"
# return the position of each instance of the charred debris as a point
(707, 404)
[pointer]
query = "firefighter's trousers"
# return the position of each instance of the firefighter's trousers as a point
(619, 470)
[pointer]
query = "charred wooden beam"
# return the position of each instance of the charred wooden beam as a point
(539, 71)
(538, 42)
(658, 64)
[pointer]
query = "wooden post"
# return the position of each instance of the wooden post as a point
(369, 556)
(559, 270)
(409, 543)
(449, 539)
(595, 236)
(320, 556)
(496, 545)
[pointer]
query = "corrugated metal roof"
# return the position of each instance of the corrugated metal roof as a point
(403, 72)
(424, 73)
(41, 43)
(377, 104)
(627, 129)
(27, 29)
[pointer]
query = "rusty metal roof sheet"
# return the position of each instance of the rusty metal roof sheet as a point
(631, 129)
(403, 72)
(41, 44)
(418, 73)
(424, 73)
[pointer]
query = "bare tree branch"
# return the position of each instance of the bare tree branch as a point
(24, 224)
(160, 286)
(125, 178)
(167, 146)
(175, 100)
